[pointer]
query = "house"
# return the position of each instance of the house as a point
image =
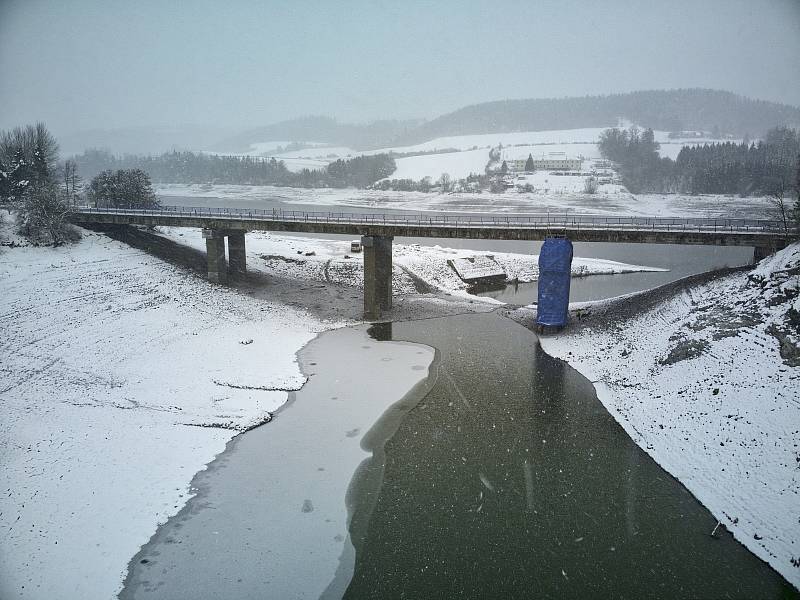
(552, 161)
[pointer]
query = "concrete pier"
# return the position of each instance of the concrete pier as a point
(762, 252)
(237, 260)
(215, 249)
(377, 274)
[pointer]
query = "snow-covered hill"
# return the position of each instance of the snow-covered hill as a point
(462, 155)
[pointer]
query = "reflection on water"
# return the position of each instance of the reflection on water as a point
(380, 331)
(510, 479)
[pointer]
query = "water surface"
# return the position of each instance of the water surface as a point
(511, 480)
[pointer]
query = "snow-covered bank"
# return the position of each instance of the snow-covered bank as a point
(120, 378)
(292, 517)
(621, 203)
(416, 268)
(704, 382)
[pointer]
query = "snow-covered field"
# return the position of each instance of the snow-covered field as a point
(456, 164)
(574, 142)
(604, 204)
(415, 266)
(700, 383)
(121, 377)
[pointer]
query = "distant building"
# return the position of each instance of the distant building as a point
(553, 161)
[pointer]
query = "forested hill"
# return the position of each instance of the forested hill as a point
(669, 110)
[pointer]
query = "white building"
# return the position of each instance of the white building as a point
(552, 161)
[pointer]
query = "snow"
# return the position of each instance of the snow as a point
(456, 164)
(315, 448)
(319, 152)
(121, 377)
(698, 381)
(604, 203)
(516, 145)
(588, 135)
(477, 267)
(324, 260)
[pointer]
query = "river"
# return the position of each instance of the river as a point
(498, 475)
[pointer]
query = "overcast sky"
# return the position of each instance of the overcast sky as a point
(83, 64)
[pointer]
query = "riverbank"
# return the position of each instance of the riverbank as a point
(124, 373)
(280, 518)
(706, 381)
(418, 269)
(122, 376)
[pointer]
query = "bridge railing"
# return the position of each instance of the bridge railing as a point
(549, 221)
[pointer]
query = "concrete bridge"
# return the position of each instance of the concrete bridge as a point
(377, 231)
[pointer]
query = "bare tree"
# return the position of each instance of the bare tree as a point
(71, 181)
(590, 185)
(778, 189)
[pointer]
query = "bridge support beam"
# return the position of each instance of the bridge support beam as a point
(237, 258)
(377, 274)
(215, 249)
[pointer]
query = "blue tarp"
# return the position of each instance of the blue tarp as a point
(555, 265)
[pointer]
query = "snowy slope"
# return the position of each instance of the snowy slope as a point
(456, 164)
(699, 382)
(121, 377)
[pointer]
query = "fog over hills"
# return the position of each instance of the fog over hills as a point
(670, 110)
(323, 130)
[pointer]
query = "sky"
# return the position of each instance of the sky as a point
(86, 64)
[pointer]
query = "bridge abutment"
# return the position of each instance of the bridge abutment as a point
(237, 258)
(377, 274)
(761, 252)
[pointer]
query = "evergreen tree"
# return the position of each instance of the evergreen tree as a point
(125, 188)
(529, 163)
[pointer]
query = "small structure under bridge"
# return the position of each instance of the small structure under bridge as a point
(377, 231)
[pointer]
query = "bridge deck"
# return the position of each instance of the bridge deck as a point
(588, 228)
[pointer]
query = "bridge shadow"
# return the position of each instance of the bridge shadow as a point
(323, 299)
(163, 248)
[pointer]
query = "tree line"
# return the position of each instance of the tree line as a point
(765, 168)
(194, 167)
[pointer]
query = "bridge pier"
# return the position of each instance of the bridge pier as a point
(377, 274)
(215, 249)
(761, 252)
(237, 257)
(218, 267)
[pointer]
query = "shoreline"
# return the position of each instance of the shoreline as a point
(289, 294)
(646, 356)
(284, 485)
